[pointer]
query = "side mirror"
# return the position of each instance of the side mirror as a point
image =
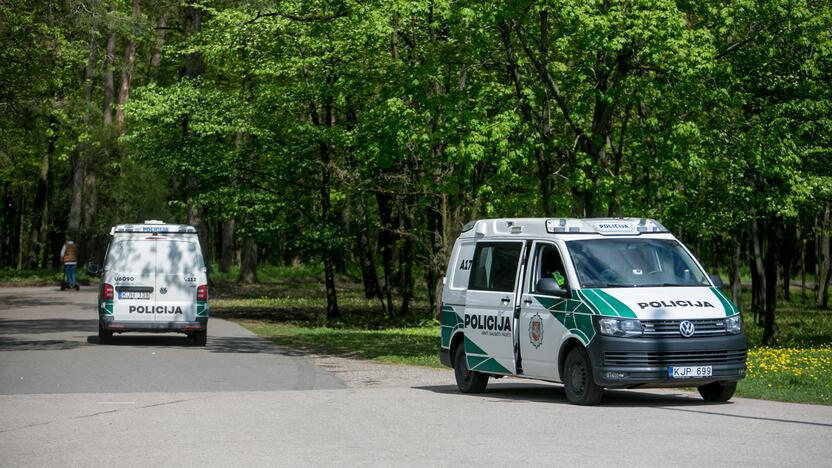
(550, 287)
(93, 269)
(717, 281)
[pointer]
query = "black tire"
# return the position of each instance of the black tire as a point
(468, 381)
(104, 336)
(200, 338)
(717, 391)
(578, 381)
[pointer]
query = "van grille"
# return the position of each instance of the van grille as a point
(642, 359)
(702, 327)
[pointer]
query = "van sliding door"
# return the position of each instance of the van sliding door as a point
(489, 311)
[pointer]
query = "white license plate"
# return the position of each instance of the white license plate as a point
(689, 372)
(134, 295)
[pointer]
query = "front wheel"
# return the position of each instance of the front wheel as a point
(717, 392)
(468, 381)
(578, 381)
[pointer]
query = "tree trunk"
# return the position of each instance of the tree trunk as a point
(227, 246)
(406, 259)
(127, 72)
(758, 286)
(771, 281)
(40, 210)
(81, 156)
(332, 311)
(109, 86)
(372, 289)
(385, 246)
(786, 257)
(156, 51)
(248, 261)
(735, 278)
(824, 256)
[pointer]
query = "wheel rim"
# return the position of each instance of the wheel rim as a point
(577, 374)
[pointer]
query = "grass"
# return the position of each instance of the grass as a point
(789, 374)
(418, 346)
(46, 277)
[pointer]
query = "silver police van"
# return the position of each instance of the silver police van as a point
(590, 303)
(153, 280)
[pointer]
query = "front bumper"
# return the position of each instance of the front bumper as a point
(109, 324)
(644, 362)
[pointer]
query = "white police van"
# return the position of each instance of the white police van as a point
(590, 303)
(154, 280)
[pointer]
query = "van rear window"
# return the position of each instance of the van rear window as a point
(168, 256)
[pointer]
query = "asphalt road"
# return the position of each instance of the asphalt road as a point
(150, 399)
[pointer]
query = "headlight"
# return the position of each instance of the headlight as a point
(733, 325)
(614, 326)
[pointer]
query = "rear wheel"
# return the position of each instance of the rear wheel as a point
(717, 391)
(578, 381)
(200, 338)
(104, 336)
(468, 381)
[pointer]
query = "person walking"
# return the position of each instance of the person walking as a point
(69, 255)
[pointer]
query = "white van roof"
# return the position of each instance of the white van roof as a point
(548, 226)
(153, 226)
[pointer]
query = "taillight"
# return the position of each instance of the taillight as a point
(202, 293)
(107, 291)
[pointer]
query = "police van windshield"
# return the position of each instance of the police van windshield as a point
(631, 263)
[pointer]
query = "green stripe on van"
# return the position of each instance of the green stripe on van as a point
(598, 302)
(471, 348)
(730, 308)
(585, 301)
(488, 365)
(621, 308)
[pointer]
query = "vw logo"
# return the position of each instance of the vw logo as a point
(686, 328)
(165, 291)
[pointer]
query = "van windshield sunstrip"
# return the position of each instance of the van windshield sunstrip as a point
(632, 263)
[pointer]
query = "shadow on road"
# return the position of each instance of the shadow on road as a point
(687, 403)
(555, 394)
(12, 301)
(53, 325)
(12, 344)
(218, 344)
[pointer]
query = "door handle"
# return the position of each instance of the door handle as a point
(527, 301)
(505, 299)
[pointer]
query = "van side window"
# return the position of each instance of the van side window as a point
(462, 269)
(495, 266)
(548, 264)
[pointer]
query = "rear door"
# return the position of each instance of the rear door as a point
(131, 268)
(489, 311)
(178, 268)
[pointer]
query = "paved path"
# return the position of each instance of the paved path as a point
(150, 400)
